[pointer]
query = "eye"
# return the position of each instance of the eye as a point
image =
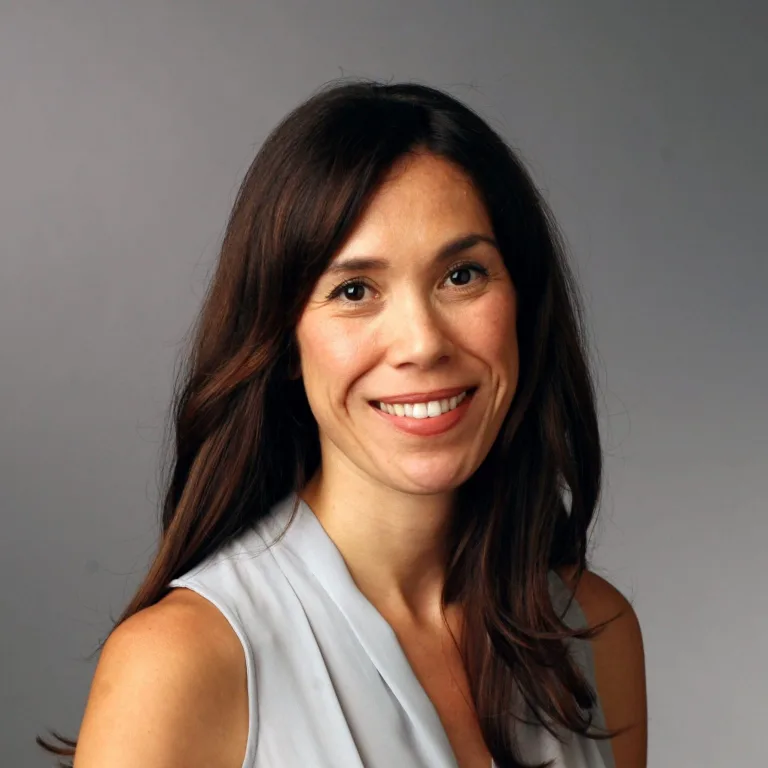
(462, 274)
(352, 291)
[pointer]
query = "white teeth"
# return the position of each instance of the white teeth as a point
(422, 410)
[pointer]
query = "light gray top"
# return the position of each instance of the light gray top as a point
(328, 683)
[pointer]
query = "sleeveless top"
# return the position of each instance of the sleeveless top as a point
(329, 685)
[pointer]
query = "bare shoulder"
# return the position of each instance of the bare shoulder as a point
(619, 665)
(169, 690)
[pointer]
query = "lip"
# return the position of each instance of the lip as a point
(424, 397)
(429, 427)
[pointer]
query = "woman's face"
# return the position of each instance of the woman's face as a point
(416, 311)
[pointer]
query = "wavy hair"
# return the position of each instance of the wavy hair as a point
(528, 507)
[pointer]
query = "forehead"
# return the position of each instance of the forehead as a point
(424, 199)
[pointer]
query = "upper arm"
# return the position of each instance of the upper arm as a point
(619, 661)
(169, 691)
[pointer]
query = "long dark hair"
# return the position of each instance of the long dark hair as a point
(526, 510)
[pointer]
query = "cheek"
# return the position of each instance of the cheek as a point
(491, 330)
(332, 354)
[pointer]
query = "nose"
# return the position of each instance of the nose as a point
(417, 334)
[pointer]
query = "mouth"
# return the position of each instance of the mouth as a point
(429, 405)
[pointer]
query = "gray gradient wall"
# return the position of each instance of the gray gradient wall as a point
(125, 128)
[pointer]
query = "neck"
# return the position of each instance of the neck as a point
(394, 544)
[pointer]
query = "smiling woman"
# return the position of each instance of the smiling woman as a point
(367, 555)
(431, 320)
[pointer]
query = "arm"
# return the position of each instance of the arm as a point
(619, 666)
(169, 691)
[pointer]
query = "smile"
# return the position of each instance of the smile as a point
(426, 410)
(427, 414)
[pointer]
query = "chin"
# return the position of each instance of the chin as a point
(424, 478)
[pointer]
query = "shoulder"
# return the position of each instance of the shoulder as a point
(169, 690)
(619, 660)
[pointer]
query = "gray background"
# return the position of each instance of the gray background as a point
(125, 128)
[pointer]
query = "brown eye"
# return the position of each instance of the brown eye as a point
(354, 292)
(350, 292)
(461, 276)
(465, 274)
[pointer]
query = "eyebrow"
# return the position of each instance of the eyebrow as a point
(447, 251)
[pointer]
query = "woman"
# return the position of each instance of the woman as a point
(387, 458)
